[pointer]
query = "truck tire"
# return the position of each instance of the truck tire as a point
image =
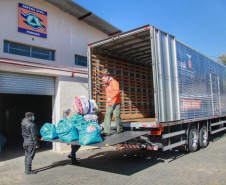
(193, 139)
(203, 137)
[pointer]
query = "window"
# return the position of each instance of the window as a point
(79, 60)
(29, 51)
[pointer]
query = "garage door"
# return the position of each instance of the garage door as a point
(20, 83)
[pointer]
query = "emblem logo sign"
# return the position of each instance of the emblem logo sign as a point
(189, 61)
(32, 21)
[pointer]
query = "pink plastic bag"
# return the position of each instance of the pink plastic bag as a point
(78, 104)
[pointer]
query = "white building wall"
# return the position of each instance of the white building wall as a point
(66, 35)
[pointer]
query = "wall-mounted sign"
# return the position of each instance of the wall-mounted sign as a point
(32, 21)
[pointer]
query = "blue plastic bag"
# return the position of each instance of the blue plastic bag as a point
(92, 109)
(81, 125)
(2, 140)
(75, 118)
(91, 133)
(48, 131)
(78, 121)
(66, 130)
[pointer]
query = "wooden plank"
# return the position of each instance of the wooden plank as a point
(101, 62)
(126, 77)
(132, 106)
(127, 116)
(122, 94)
(119, 69)
(118, 60)
(127, 80)
(129, 86)
(104, 101)
(128, 92)
(133, 112)
(128, 109)
(132, 116)
(122, 85)
(129, 98)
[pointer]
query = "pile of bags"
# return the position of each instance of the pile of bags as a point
(88, 108)
(82, 124)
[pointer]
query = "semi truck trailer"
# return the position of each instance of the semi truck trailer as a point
(172, 95)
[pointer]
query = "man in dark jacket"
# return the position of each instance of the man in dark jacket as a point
(30, 135)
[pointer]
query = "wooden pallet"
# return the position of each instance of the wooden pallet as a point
(136, 85)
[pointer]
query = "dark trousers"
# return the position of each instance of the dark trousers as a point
(29, 156)
(74, 149)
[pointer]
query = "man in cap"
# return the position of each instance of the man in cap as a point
(74, 148)
(113, 104)
(30, 136)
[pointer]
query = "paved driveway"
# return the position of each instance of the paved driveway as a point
(133, 167)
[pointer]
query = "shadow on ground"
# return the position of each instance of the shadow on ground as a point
(14, 149)
(125, 162)
(128, 161)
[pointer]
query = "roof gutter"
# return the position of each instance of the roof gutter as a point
(43, 66)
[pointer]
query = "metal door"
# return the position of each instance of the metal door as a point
(21, 83)
(215, 93)
(165, 76)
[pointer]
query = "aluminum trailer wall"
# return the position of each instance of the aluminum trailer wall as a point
(202, 84)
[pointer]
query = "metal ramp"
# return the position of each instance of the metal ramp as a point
(108, 140)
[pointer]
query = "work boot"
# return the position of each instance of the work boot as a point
(30, 172)
(75, 162)
(119, 132)
(109, 134)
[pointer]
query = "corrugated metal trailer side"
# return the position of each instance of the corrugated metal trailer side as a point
(202, 84)
(202, 92)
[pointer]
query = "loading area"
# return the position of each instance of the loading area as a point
(129, 61)
(21, 93)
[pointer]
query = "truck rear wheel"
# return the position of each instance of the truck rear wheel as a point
(203, 137)
(193, 139)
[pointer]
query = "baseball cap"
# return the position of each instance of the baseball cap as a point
(68, 111)
(28, 114)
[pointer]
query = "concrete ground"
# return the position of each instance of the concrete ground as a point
(129, 166)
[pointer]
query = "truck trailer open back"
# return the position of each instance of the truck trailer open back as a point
(167, 88)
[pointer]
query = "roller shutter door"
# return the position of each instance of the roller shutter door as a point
(21, 83)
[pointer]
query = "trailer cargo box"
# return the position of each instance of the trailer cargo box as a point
(161, 79)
